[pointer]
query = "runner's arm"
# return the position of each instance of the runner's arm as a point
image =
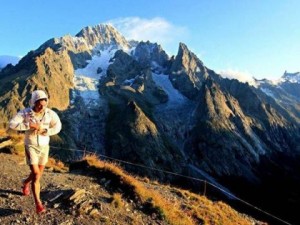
(18, 122)
(55, 125)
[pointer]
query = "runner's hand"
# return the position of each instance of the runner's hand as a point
(34, 126)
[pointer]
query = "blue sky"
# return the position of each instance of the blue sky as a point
(259, 38)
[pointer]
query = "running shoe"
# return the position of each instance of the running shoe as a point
(26, 189)
(40, 208)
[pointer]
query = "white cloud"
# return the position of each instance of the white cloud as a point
(155, 30)
(242, 76)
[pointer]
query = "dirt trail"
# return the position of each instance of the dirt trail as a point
(70, 198)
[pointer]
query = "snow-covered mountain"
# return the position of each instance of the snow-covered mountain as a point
(267, 86)
(291, 77)
(285, 78)
(86, 80)
(285, 87)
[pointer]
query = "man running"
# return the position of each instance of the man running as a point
(38, 122)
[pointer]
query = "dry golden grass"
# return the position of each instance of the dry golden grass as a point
(16, 137)
(117, 201)
(145, 179)
(17, 141)
(19, 149)
(168, 211)
(56, 165)
(184, 209)
(211, 212)
(3, 132)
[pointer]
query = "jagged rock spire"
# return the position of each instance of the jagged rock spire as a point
(186, 60)
(187, 72)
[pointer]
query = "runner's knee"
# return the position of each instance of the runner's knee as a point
(36, 176)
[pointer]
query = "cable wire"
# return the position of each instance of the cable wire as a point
(180, 175)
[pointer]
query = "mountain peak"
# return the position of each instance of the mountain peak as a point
(100, 28)
(187, 72)
(147, 53)
(103, 34)
(182, 46)
(291, 77)
(183, 49)
(187, 59)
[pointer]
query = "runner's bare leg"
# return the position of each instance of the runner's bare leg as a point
(36, 173)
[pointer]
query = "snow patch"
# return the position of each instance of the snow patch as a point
(130, 51)
(268, 92)
(287, 77)
(175, 97)
(129, 82)
(86, 79)
(291, 77)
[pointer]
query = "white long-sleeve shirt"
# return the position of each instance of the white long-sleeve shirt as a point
(48, 120)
